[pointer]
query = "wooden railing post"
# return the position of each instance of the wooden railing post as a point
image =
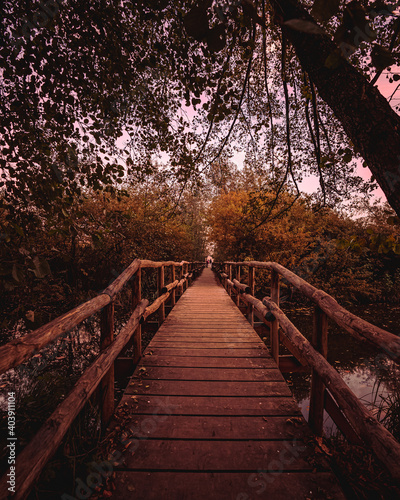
(230, 278)
(161, 311)
(251, 283)
(275, 287)
(180, 274)
(320, 343)
(107, 382)
(173, 298)
(185, 270)
(136, 298)
(238, 269)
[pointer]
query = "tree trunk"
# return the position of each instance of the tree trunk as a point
(366, 116)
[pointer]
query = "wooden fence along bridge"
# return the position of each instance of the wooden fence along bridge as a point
(207, 413)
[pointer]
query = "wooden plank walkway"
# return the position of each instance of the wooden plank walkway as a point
(208, 415)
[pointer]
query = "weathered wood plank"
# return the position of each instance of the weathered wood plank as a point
(206, 361)
(33, 458)
(19, 350)
(240, 353)
(215, 427)
(226, 486)
(206, 332)
(197, 323)
(191, 373)
(205, 345)
(208, 388)
(202, 405)
(166, 338)
(217, 456)
(207, 409)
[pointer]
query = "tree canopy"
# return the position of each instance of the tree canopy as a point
(92, 93)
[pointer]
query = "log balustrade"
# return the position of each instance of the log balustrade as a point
(328, 390)
(100, 374)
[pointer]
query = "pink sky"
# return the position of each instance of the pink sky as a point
(311, 184)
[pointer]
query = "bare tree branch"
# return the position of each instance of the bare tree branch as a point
(317, 136)
(267, 88)
(224, 142)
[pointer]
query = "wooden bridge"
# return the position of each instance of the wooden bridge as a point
(207, 413)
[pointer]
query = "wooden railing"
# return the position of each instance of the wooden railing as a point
(328, 390)
(31, 461)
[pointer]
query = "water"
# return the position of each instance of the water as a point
(366, 371)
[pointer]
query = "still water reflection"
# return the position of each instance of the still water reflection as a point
(373, 379)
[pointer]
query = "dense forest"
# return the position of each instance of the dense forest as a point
(174, 130)
(56, 260)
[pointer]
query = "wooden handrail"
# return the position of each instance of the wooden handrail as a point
(374, 434)
(180, 283)
(169, 287)
(22, 349)
(241, 287)
(35, 455)
(231, 284)
(119, 282)
(155, 305)
(32, 459)
(361, 422)
(357, 327)
(148, 264)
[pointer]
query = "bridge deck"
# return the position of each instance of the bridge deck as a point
(208, 415)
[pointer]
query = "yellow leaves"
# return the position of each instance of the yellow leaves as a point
(295, 421)
(226, 217)
(322, 447)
